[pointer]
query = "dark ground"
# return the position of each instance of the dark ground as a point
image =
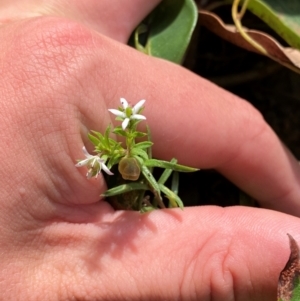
(270, 87)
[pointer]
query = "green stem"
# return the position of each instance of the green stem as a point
(237, 21)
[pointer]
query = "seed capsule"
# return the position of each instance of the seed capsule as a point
(129, 169)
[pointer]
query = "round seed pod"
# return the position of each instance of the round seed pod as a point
(129, 169)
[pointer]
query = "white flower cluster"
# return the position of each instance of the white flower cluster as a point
(95, 163)
(128, 113)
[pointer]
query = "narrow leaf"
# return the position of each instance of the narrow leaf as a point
(125, 188)
(120, 131)
(94, 140)
(98, 135)
(139, 152)
(174, 199)
(175, 182)
(147, 209)
(106, 136)
(149, 150)
(152, 182)
(149, 177)
(166, 174)
(139, 135)
(166, 164)
(114, 160)
(144, 144)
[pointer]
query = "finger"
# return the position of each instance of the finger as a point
(44, 116)
(204, 126)
(190, 119)
(246, 151)
(115, 19)
(189, 256)
(206, 253)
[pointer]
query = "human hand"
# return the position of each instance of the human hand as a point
(58, 241)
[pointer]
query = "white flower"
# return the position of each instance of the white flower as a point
(94, 164)
(128, 113)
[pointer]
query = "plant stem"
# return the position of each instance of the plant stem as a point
(237, 21)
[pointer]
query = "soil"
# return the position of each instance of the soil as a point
(273, 89)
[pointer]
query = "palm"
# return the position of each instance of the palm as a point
(58, 79)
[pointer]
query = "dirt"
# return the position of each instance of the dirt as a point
(273, 89)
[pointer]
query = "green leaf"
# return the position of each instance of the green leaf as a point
(166, 164)
(175, 182)
(114, 160)
(139, 134)
(149, 150)
(94, 140)
(166, 174)
(144, 144)
(283, 16)
(125, 188)
(97, 135)
(155, 187)
(147, 209)
(139, 152)
(174, 199)
(149, 177)
(106, 136)
(169, 30)
(119, 131)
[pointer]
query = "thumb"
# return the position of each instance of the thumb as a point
(115, 19)
(207, 253)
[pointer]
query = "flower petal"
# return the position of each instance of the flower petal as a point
(105, 168)
(117, 112)
(125, 123)
(82, 162)
(138, 116)
(124, 103)
(86, 153)
(138, 106)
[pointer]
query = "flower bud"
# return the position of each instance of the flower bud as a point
(129, 169)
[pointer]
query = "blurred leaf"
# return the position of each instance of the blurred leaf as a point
(106, 135)
(169, 165)
(286, 56)
(138, 134)
(168, 29)
(124, 188)
(174, 199)
(94, 140)
(144, 144)
(166, 174)
(282, 16)
(289, 284)
(147, 209)
(151, 180)
(96, 137)
(155, 186)
(175, 182)
(139, 152)
(119, 131)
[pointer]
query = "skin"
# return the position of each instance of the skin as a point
(62, 66)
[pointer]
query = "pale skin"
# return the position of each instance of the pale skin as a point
(60, 73)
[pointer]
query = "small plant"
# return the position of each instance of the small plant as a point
(132, 185)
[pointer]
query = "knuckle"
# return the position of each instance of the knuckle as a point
(43, 57)
(44, 50)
